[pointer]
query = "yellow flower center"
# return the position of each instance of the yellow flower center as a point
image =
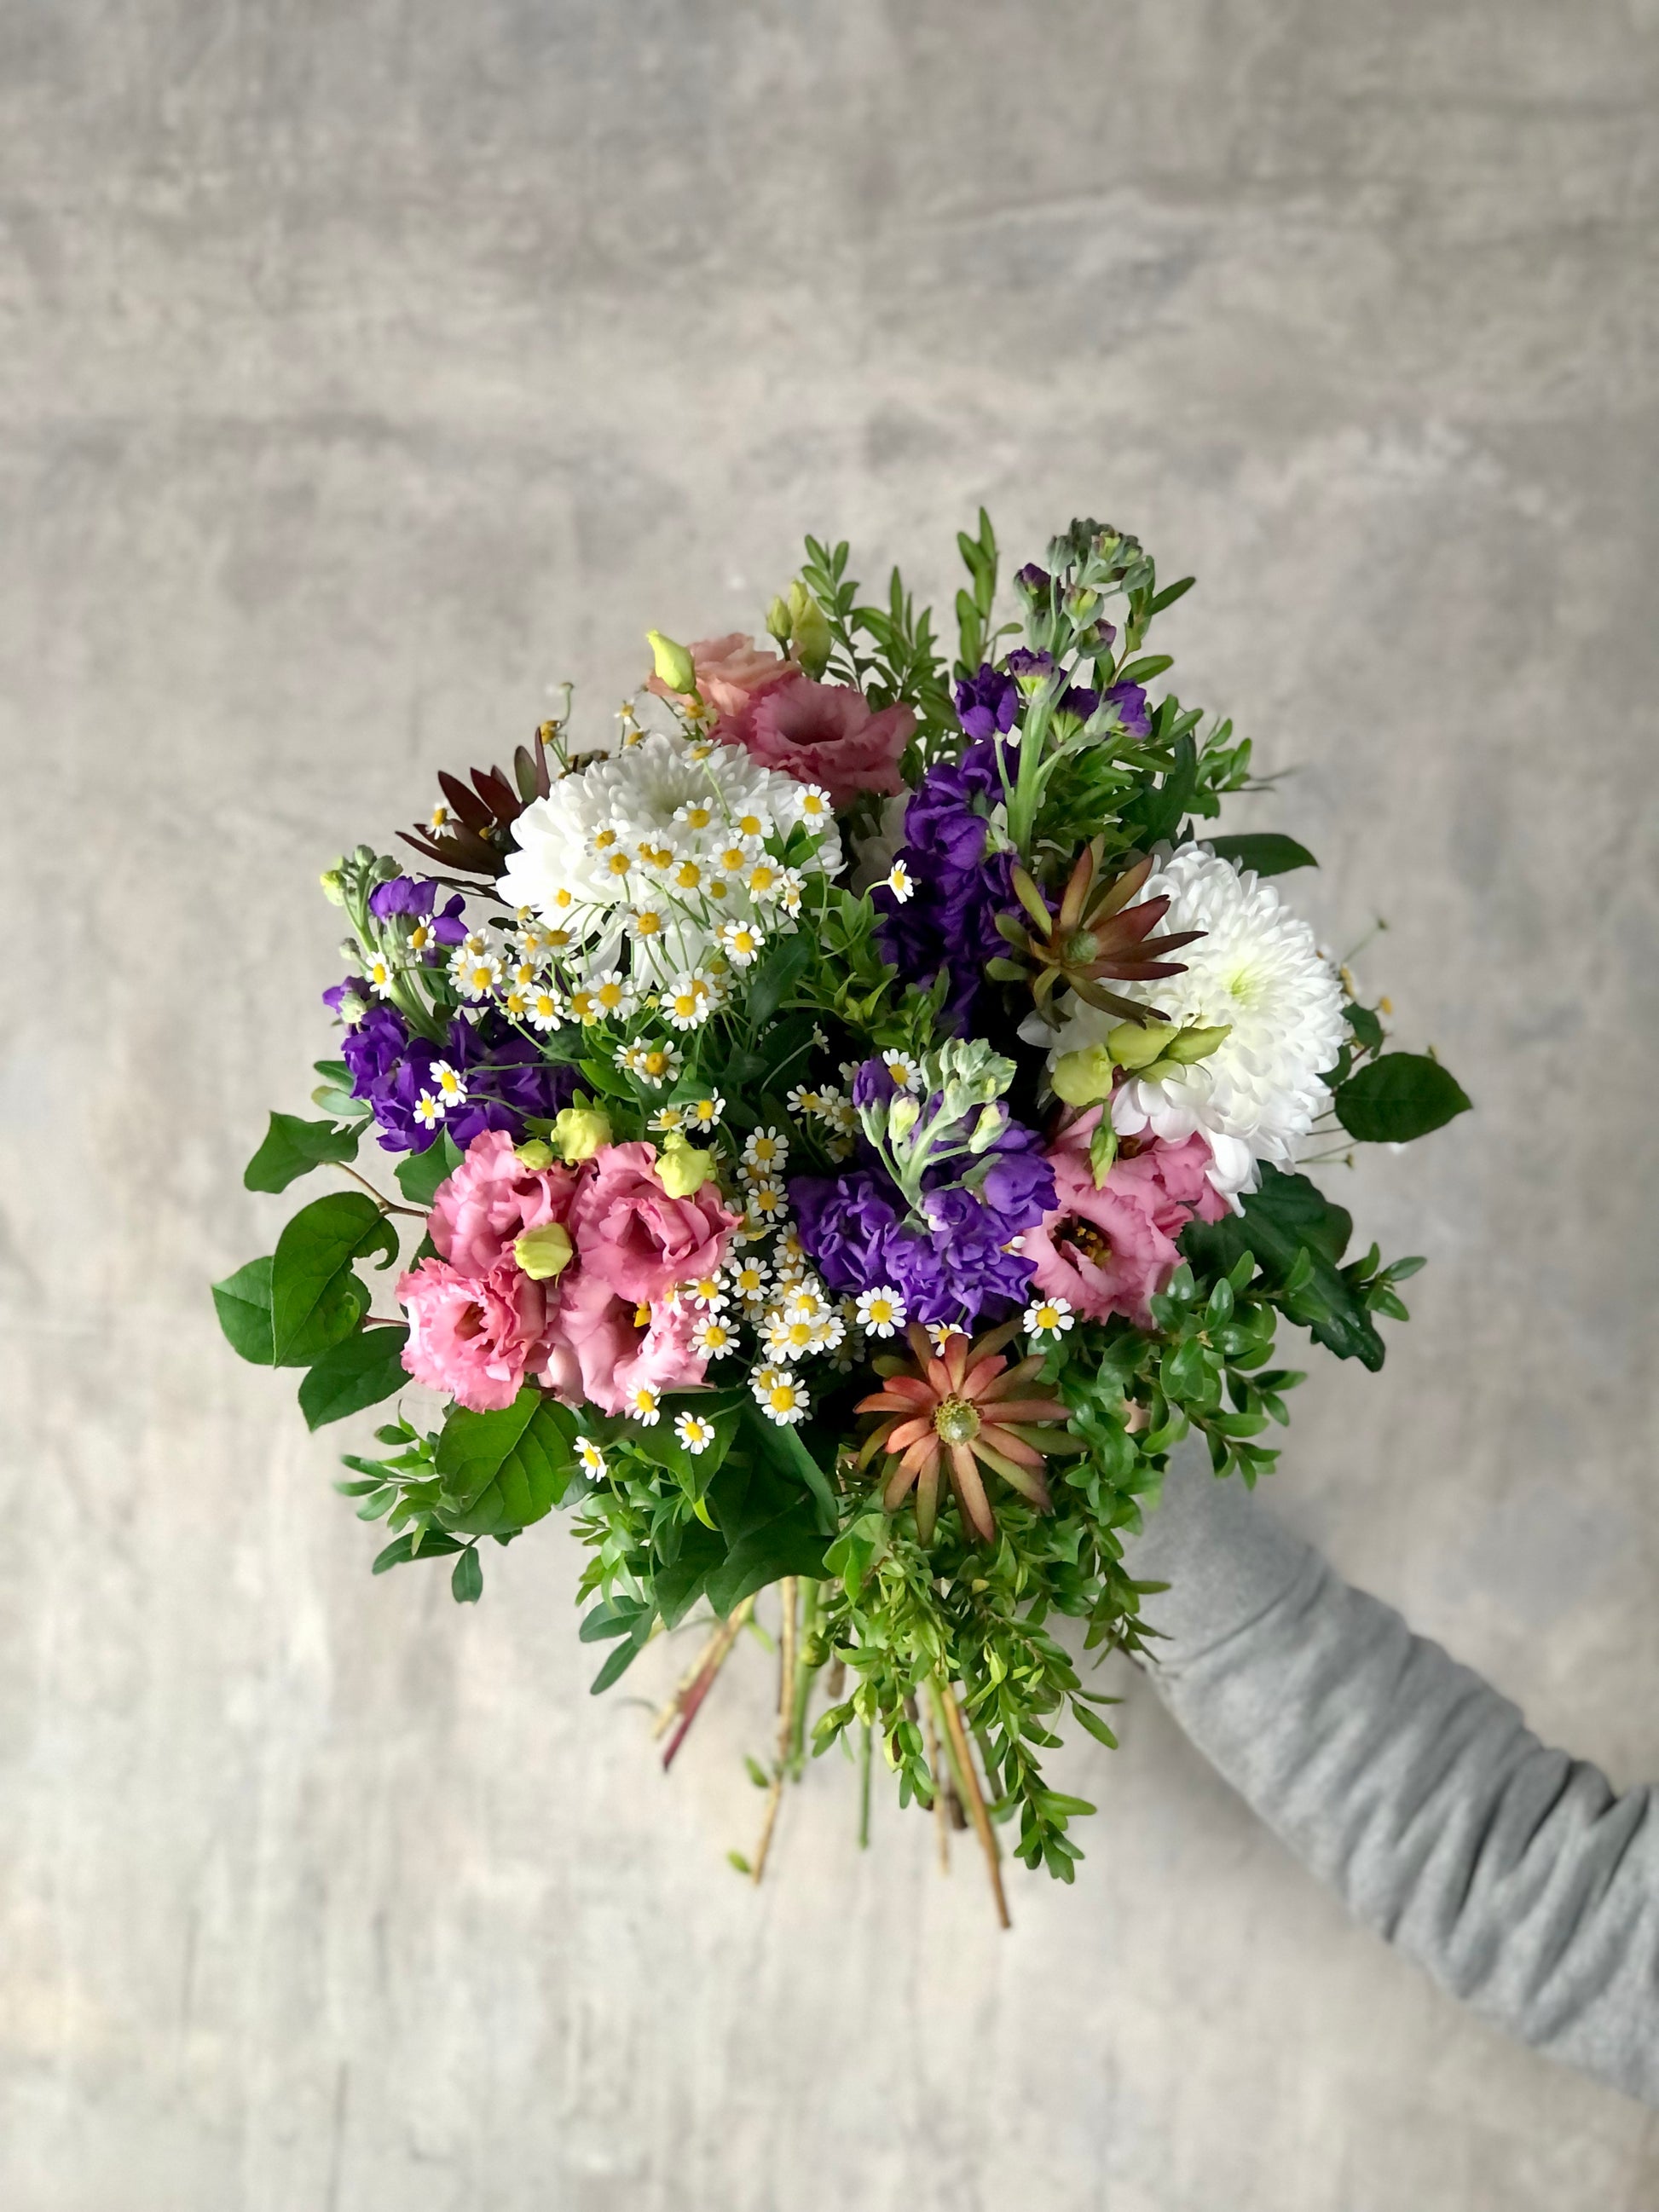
(955, 1421)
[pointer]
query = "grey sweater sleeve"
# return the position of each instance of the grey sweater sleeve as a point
(1515, 1873)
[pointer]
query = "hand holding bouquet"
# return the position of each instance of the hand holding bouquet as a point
(849, 1134)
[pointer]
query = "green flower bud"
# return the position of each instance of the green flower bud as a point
(681, 1169)
(1083, 1079)
(544, 1252)
(1136, 1045)
(992, 1121)
(535, 1152)
(333, 882)
(809, 631)
(902, 1115)
(674, 664)
(580, 1131)
(779, 623)
(1197, 1044)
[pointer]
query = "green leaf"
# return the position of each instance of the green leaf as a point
(420, 1173)
(1266, 851)
(677, 1586)
(783, 1447)
(313, 1292)
(1367, 1029)
(359, 1372)
(627, 1651)
(242, 1303)
(1298, 1237)
(506, 1470)
(1400, 1096)
(466, 1583)
(770, 1527)
(293, 1147)
(401, 1550)
(612, 1616)
(659, 1446)
(776, 974)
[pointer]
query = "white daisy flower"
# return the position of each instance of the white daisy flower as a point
(749, 1279)
(645, 1405)
(714, 1337)
(592, 1459)
(880, 1312)
(1047, 1317)
(763, 1200)
(651, 1063)
(450, 1081)
(438, 821)
(476, 974)
(668, 1121)
(903, 1069)
(429, 1110)
(707, 1293)
(741, 942)
(941, 1332)
(784, 1339)
(897, 880)
(804, 1101)
(789, 1255)
(781, 1397)
(705, 1113)
(813, 807)
(762, 881)
(381, 974)
(791, 886)
(694, 1433)
(546, 1008)
(766, 1149)
(614, 993)
(689, 1000)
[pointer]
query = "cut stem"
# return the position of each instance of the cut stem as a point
(687, 1700)
(864, 1750)
(941, 1789)
(962, 1759)
(787, 1595)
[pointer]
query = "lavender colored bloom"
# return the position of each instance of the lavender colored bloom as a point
(373, 1049)
(507, 1080)
(986, 701)
(1023, 662)
(1131, 704)
(415, 898)
(1031, 579)
(1078, 698)
(950, 920)
(355, 987)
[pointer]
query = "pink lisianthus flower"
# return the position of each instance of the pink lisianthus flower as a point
(635, 1240)
(1109, 1250)
(604, 1347)
(474, 1337)
(827, 734)
(491, 1200)
(731, 671)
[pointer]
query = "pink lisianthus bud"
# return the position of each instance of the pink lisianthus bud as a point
(824, 733)
(490, 1200)
(730, 672)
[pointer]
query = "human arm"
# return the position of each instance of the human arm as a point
(1515, 1873)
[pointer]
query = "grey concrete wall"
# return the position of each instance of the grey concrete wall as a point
(363, 371)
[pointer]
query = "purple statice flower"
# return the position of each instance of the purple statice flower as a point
(949, 921)
(986, 701)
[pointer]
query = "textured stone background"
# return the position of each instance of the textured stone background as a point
(365, 371)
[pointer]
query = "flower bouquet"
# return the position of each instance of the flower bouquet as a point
(843, 1137)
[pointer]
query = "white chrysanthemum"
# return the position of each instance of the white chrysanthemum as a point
(1257, 968)
(645, 831)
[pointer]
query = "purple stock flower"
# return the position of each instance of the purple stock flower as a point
(986, 701)
(1078, 698)
(415, 898)
(1031, 579)
(1023, 662)
(950, 920)
(507, 1080)
(1131, 704)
